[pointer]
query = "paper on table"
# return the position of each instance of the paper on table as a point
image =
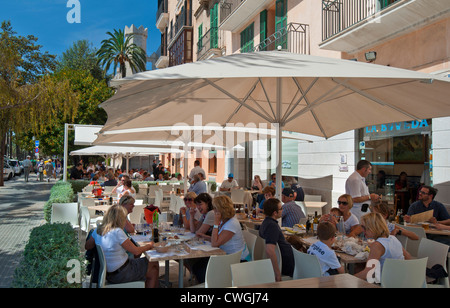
(425, 216)
(204, 247)
(170, 253)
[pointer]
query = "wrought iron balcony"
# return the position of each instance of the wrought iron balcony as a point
(208, 44)
(294, 38)
(355, 25)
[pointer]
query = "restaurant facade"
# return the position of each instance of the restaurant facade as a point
(409, 34)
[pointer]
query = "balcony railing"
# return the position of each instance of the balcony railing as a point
(162, 8)
(227, 7)
(338, 15)
(210, 40)
(294, 38)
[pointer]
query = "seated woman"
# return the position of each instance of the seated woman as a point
(227, 231)
(394, 229)
(257, 183)
(115, 244)
(385, 245)
(185, 211)
(269, 192)
(203, 228)
(128, 189)
(351, 223)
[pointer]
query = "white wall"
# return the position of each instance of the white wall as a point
(441, 158)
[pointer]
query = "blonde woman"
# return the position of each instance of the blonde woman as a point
(385, 246)
(115, 244)
(227, 232)
(351, 223)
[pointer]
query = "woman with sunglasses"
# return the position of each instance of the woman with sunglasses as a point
(351, 222)
(189, 210)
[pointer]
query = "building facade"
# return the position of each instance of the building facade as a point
(410, 34)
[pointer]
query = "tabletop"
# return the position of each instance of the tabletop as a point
(335, 281)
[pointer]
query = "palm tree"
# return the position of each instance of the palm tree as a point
(119, 49)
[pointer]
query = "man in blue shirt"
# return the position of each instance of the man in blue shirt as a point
(425, 203)
(291, 211)
(271, 232)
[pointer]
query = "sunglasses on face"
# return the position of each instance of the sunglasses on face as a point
(188, 200)
(342, 202)
(423, 193)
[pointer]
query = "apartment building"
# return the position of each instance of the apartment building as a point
(410, 34)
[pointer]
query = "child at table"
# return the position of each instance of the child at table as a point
(328, 260)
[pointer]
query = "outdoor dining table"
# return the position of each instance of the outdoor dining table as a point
(431, 230)
(187, 251)
(334, 281)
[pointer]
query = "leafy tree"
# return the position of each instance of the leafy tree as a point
(118, 50)
(29, 97)
(81, 56)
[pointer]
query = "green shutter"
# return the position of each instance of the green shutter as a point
(281, 21)
(214, 26)
(200, 37)
(263, 28)
(247, 39)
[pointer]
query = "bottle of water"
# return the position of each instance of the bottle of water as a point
(340, 225)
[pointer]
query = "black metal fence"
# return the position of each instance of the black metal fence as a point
(338, 15)
(294, 38)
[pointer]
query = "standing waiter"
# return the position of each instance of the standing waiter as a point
(356, 187)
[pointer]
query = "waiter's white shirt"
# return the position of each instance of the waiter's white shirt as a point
(356, 186)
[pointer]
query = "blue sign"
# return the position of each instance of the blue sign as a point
(36, 143)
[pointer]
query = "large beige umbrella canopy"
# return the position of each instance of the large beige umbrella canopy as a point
(299, 93)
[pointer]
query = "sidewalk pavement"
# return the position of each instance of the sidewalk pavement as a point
(21, 209)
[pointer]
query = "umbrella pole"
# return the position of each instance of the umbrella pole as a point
(279, 140)
(185, 167)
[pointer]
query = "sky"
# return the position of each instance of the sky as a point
(48, 20)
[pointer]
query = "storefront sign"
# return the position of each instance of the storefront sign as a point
(396, 127)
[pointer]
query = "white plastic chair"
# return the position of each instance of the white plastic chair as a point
(136, 216)
(413, 246)
(143, 189)
(250, 241)
(259, 252)
(218, 271)
(437, 254)
(158, 197)
(253, 272)
(87, 222)
(65, 212)
(404, 273)
(102, 275)
(238, 197)
(306, 265)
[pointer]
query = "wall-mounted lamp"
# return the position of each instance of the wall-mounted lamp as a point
(371, 56)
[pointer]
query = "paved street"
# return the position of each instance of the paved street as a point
(21, 209)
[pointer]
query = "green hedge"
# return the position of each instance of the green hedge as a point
(46, 256)
(61, 192)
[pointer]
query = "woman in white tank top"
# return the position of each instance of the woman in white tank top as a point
(384, 245)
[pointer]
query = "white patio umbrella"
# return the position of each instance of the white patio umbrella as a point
(299, 93)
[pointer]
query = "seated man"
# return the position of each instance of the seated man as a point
(198, 186)
(271, 232)
(291, 211)
(229, 184)
(425, 203)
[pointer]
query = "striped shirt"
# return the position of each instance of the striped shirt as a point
(291, 214)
